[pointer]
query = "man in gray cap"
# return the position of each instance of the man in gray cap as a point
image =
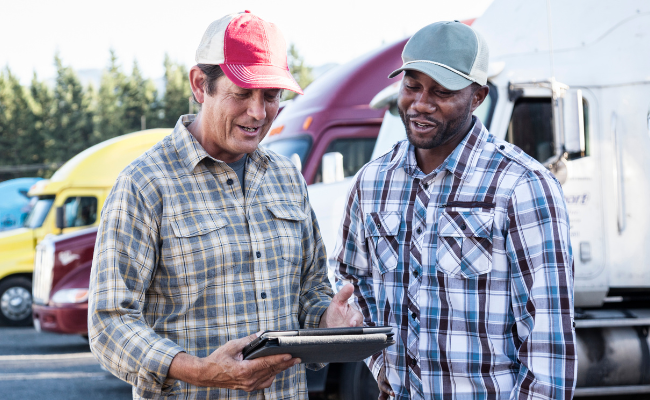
(460, 241)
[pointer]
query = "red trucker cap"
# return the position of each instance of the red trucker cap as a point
(250, 51)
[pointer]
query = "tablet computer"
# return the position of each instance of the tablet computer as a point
(322, 345)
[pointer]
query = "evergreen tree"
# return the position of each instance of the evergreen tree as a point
(177, 92)
(16, 122)
(72, 130)
(110, 116)
(140, 97)
(42, 108)
(301, 72)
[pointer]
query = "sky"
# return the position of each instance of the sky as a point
(83, 31)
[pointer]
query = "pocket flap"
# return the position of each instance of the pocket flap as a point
(196, 222)
(468, 223)
(286, 211)
(383, 223)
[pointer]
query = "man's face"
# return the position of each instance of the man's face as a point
(237, 119)
(432, 114)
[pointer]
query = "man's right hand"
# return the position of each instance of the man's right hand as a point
(226, 368)
(384, 387)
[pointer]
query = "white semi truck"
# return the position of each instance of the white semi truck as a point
(570, 85)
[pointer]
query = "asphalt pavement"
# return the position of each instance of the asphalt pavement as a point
(36, 365)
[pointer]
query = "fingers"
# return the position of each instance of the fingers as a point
(356, 318)
(274, 364)
(344, 294)
(262, 371)
(384, 387)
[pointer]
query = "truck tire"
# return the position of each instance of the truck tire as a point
(357, 383)
(16, 302)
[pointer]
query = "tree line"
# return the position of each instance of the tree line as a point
(44, 125)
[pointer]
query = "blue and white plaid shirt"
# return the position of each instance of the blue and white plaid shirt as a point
(471, 265)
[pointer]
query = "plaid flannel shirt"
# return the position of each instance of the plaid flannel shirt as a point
(471, 265)
(184, 263)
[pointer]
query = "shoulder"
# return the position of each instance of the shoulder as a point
(522, 167)
(145, 173)
(376, 168)
(283, 172)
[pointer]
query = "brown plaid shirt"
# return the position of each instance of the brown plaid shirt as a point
(183, 262)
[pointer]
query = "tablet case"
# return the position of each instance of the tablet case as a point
(320, 346)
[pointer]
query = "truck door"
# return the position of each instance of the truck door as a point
(531, 129)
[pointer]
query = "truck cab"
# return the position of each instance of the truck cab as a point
(333, 115)
(78, 190)
(580, 105)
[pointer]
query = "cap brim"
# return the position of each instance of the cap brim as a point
(442, 75)
(261, 77)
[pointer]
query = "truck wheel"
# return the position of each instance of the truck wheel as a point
(16, 302)
(357, 383)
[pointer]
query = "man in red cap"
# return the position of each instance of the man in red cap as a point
(207, 239)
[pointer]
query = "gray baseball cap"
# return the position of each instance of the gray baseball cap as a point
(450, 52)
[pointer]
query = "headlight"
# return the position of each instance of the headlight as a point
(70, 296)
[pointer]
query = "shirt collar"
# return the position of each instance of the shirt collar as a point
(191, 153)
(461, 162)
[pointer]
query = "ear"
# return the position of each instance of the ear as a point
(196, 82)
(479, 96)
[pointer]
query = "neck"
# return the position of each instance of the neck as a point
(430, 159)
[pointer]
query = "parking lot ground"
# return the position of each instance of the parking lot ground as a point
(47, 365)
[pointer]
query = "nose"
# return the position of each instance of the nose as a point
(423, 103)
(257, 106)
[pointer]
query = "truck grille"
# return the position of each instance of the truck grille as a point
(43, 266)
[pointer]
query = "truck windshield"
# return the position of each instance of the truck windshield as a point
(293, 145)
(39, 212)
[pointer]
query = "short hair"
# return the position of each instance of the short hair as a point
(212, 73)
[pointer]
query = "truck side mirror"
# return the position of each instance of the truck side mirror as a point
(574, 124)
(332, 166)
(60, 218)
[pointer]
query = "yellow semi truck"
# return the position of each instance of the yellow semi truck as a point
(76, 192)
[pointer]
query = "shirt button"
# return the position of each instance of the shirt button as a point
(415, 274)
(258, 254)
(378, 225)
(414, 362)
(502, 147)
(425, 186)
(463, 226)
(263, 295)
(229, 181)
(413, 315)
(419, 230)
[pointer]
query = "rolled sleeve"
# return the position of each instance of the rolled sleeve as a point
(124, 261)
(539, 251)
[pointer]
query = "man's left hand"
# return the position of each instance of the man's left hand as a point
(339, 314)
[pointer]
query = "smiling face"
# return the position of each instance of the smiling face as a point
(436, 118)
(233, 120)
(432, 114)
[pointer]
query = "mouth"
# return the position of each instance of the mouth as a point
(250, 130)
(422, 126)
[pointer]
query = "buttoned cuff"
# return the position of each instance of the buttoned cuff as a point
(152, 377)
(312, 318)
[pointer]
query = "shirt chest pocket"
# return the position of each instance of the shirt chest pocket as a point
(465, 243)
(382, 229)
(288, 219)
(200, 242)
